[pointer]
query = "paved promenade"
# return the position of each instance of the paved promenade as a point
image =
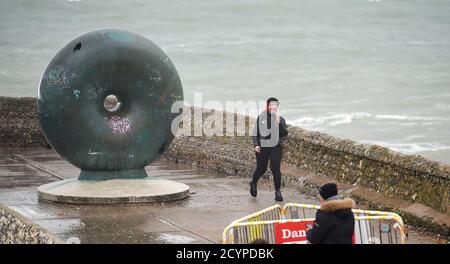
(215, 201)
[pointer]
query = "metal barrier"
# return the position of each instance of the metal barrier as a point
(381, 229)
(270, 213)
(295, 210)
(278, 225)
(251, 232)
(244, 232)
(299, 211)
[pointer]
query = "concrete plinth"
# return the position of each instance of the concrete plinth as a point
(146, 190)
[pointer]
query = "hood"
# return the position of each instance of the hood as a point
(337, 206)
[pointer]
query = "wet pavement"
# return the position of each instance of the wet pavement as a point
(214, 202)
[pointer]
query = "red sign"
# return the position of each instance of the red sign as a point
(292, 232)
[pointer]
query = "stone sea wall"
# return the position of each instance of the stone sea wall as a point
(412, 178)
(15, 229)
(19, 123)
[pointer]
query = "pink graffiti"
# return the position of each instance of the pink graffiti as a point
(120, 125)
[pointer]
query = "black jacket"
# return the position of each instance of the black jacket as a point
(334, 223)
(265, 116)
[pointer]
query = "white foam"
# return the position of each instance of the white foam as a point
(360, 101)
(410, 118)
(408, 138)
(408, 148)
(428, 96)
(330, 120)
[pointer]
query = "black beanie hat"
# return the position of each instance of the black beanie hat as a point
(327, 190)
(271, 99)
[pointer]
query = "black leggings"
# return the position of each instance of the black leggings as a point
(274, 154)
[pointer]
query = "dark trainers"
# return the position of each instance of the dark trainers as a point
(253, 190)
(278, 196)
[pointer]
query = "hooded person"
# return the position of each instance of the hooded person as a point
(269, 131)
(335, 222)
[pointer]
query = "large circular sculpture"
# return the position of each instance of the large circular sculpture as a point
(105, 103)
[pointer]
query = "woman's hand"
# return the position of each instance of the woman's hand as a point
(277, 116)
(257, 149)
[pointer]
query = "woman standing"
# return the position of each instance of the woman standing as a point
(269, 130)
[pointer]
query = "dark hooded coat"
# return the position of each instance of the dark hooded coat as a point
(334, 223)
